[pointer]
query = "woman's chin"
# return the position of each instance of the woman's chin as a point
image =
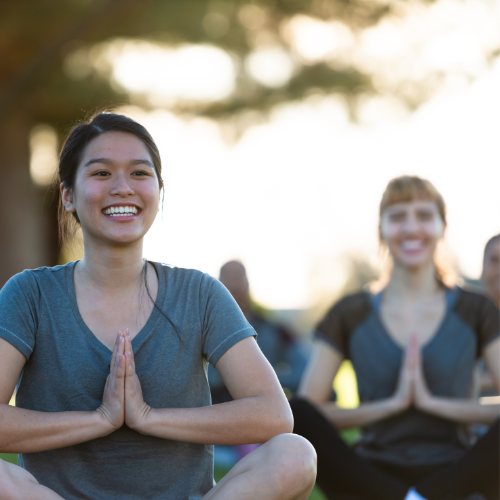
(123, 239)
(413, 264)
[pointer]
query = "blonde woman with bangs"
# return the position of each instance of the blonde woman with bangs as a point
(413, 345)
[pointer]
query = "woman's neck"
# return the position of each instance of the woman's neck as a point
(113, 268)
(412, 284)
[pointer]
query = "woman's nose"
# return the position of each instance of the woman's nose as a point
(410, 224)
(121, 186)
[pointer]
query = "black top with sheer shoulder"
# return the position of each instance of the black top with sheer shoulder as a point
(354, 328)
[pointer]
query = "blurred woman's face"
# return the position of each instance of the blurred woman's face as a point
(411, 231)
(116, 193)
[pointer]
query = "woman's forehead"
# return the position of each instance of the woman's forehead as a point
(411, 205)
(118, 145)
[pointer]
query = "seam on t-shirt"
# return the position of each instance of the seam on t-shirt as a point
(19, 338)
(227, 338)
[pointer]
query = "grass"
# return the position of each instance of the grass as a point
(9, 457)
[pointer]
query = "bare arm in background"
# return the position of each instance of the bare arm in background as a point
(316, 386)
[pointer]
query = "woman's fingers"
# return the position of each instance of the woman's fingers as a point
(118, 366)
(113, 400)
(128, 348)
(414, 353)
(120, 372)
(115, 351)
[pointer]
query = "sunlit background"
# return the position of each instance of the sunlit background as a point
(292, 190)
(279, 123)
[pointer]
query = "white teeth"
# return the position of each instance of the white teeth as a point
(412, 244)
(120, 211)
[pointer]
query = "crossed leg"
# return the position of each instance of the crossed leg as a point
(284, 468)
(17, 483)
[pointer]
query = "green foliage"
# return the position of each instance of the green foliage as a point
(37, 37)
(9, 457)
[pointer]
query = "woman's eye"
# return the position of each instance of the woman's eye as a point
(397, 217)
(101, 173)
(140, 173)
(425, 216)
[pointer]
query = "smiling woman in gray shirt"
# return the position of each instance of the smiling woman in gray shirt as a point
(110, 356)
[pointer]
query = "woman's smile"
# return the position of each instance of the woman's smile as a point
(122, 212)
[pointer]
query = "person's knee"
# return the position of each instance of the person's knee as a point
(12, 478)
(294, 459)
(7, 487)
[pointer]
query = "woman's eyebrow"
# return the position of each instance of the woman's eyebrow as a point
(107, 161)
(141, 162)
(97, 160)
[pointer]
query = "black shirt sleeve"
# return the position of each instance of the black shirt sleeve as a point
(341, 320)
(481, 314)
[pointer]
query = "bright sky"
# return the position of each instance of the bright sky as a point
(295, 195)
(301, 189)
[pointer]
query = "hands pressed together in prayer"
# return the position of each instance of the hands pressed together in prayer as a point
(122, 401)
(412, 389)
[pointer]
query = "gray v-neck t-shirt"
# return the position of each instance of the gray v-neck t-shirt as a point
(67, 367)
(354, 328)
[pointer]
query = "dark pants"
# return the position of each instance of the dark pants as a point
(343, 475)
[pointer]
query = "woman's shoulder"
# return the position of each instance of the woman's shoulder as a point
(347, 313)
(187, 279)
(35, 279)
(470, 301)
(182, 273)
(356, 304)
(479, 313)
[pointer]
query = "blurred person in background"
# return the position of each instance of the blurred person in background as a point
(127, 415)
(413, 346)
(491, 269)
(490, 278)
(278, 345)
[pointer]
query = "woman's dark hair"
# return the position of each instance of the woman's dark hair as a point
(71, 155)
(74, 146)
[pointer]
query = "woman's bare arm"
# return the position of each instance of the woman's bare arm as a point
(259, 411)
(316, 386)
(27, 431)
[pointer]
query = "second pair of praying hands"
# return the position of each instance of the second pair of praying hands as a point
(412, 387)
(412, 390)
(122, 401)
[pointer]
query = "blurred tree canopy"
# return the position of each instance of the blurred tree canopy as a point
(46, 77)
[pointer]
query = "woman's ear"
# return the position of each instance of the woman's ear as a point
(380, 236)
(67, 197)
(445, 225)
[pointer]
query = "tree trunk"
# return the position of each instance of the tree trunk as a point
(28, 227)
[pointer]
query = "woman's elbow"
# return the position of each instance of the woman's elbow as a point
(280, 424)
